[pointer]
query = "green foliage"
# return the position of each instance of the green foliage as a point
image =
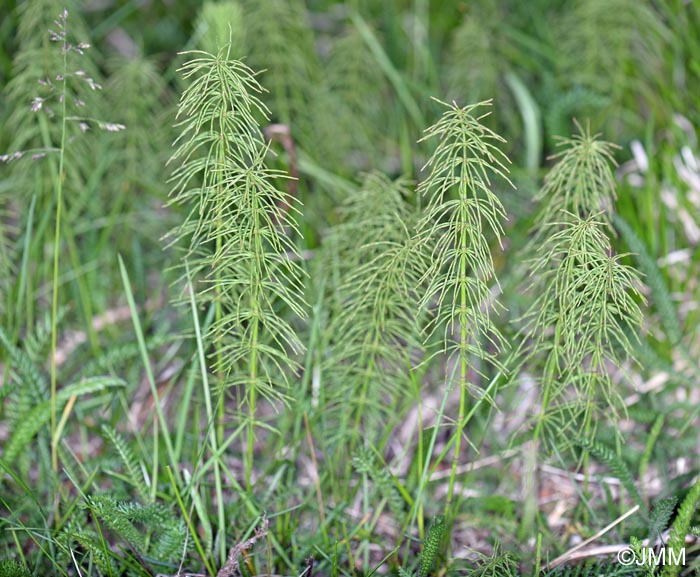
(26, 372)
(39, 414)
(586, 302)
(660, 295)
(39, 59)
(479, 59)
(239, 228)
(462, 210)
(373, 331)
(346, 429)
(7, 264)
(453, 233)
(37, 343)
(613, 48)
(47, 77)
(129, 460)
(278, 40)
(136, 89)
(347, 126)
(150, 532)
(12, 568)
(220, 24)
(121, 355)
(364, 462)
(593, 569)
(354, 77)
(237, 211)
(498, 564)
(681, 526)
(660, 517)
(616, 464)
(581, 182)
(588, 299)
(432, 546)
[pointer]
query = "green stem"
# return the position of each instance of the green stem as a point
(254, 305)
(56, 250)
(213, 441)
(217, 282)
(252, 400)
(463, 368)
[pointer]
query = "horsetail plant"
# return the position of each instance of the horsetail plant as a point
(278, 41)
(374, 327)
(580, 322)
(587, 303)
(373, 331)
(238, 228)
(580, 183)
(462, 209)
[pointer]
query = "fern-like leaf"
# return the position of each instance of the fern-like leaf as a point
(129, 461)
(39, 415)
(239, 228)
(114, 515)
(660, 517)
(585, 313)
(498, 564)
(462, 210)
(582, 181)
(364, 461)
(432, 546)
(616, 466)
(681, 526)
(25, 370)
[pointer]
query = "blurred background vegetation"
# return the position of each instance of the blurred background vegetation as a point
(352, 83)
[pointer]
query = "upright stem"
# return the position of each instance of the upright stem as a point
(57, 239)
(213, 442)
(463, 367)
(251, 405)
(253, 370)
(219, 312)
(218, 428)
(548, 382)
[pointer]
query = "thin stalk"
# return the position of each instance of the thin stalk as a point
(251, 407)
(252, 396)
(463, 368)
(57, 239)
(211, 418)
(188, 520)
(429, 465)
(217, 283)
(149, 371)
(547, 386)
(529, 513)
(317, 480)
